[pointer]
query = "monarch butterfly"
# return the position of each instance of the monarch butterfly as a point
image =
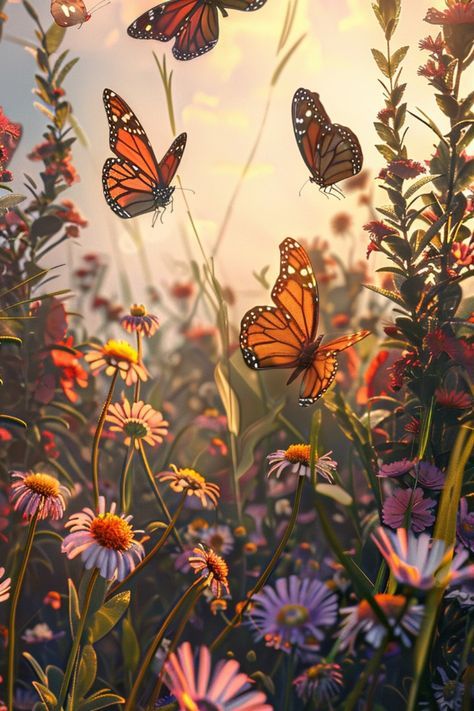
(332, 152)
(285, 335)
(194, 24)
(67, 13)
(135, 183)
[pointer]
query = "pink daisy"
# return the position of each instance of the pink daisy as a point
(138, 422)
(4, 586)
(196, 686)
(140, 321)
(37, 492)
(104, 540)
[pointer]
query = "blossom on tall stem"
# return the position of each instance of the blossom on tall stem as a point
(320, 683)
(197, 687)
(210, 567)
(405, 619)
(137, 421)
(117, 356)
(193, 483)
(140, 321)
(5, 586)
(407, 505)
(38, 493)
(293, 614)
(296, 459)
(104, 540)
(421, 562)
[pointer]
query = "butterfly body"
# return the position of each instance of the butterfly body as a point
(286, 335)
(67, 13)
(193, 24)
(134, 182)
(331, 152)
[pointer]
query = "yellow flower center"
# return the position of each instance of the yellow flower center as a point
(211, 412)
(137, 310)
(298, 453)
(293, 615)
(111, 531)
(120, 351)
(42, 484)
(216, 541)
(217, 566)
(192, 478)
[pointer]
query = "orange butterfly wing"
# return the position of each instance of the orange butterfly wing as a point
(320, 374)
(274, 337)
(285, 336)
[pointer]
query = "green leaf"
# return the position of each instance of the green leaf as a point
(229, 398)
(55, 677)
(398, 57)
(130, 646)
(45, 226)
(31, 12)
(10, 419)
(74, 612)
(285, 59)
(419, 184)
(86, 673)
(65, 71)
(13, 340)
(36, 667)
(53, 38)
(447, 104)
(430, 233)
(253, 435)
(465, 176)
(392, 295)
(381, 62)
(100, 700)
(412, 289)
(108, 615)
(387, 152)
(336, 492)
(46, 695)
(8, 201)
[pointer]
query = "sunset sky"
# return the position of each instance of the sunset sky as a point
(219, 101)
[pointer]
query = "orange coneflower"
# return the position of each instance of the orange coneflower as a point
(138, 421)
(212, 568)
(117, 355)
(193, 483)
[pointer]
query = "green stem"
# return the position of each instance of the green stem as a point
(157, 492)
(174, 643)
(236, 620)
(354, 697)
(156, 548)
(77, 640)
(14, 607)
(288, 702)
(123, 478)
(96, 442)
(131, 704)
(140, 353)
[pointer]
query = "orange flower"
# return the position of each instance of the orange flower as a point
(117, 355)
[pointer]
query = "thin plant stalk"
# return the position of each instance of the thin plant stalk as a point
(157, 492)
(14, 606)
(77, 640)
(174, 643)
(97, 436)
(198, 584)
(136, 397)
(156, 548)
(123, 477)
(236, 620)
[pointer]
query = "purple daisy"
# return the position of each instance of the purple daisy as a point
(394, 469)
(104, 540)
(139, 321)
(196, 686)
(465, 526)
(293, 613)
(407, 505)
(320, 683)
(430, 476)
(421, 562)
(361, 619)
(39, 493)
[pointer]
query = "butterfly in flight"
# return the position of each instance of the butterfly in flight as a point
(134, 182)
(331, 152)
(67, 13)
(286, 335)
(193, 24)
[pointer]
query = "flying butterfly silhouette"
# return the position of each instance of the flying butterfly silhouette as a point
(285, 335)
(134, 182)
(67, 13)
(193, 24)
(331, 152)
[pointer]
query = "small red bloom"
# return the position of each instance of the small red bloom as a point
(384, 115)
(413, 426)
(378, 230)
(453, 399)
(69, 213)
(432, 70)
(182, 290)
(458, 13)
(405, 168)
(463, 252)
(53, 599)
(72, 372)
(435, 46)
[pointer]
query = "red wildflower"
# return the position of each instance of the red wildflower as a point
(432, 70)
(413, 426)
(463, 252)
(182, 290)
(453, 399)
(5, 435)
(405, 168)
(48, 444)
(53, 599)
(457, 13)
(340, 320)
(458, 349)
(401, 368)
(341, 223)
(384, 115)
(72, 372)
(378, 230)
(68, 212)
(372, 247)
(435, 46)
(7, 126)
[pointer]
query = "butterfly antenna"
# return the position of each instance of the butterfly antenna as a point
(98, 6)
(188, 190)
(303, 186)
